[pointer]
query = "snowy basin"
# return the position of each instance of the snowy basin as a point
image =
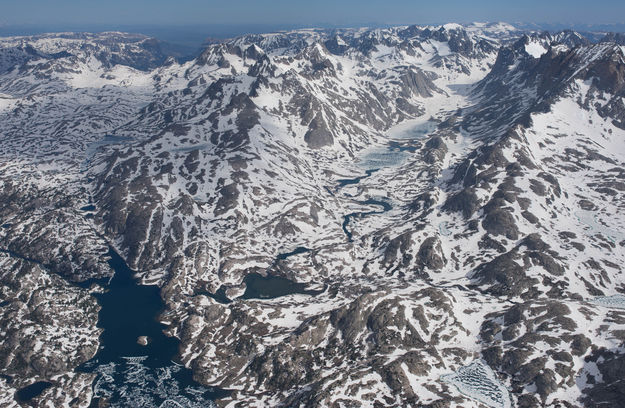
(590, 219)
(478, 381)
(614, 301)
(412, 130)
(380, 157)
(387, 156)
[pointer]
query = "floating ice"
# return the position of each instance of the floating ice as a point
(479, 382)
(133, 383)
(410, 131)
(386, 156)
(170, 404)
(614, 301)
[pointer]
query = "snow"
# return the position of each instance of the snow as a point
(535, 49)
(285, 181)
(452, 26)
(443, 228)
(412, 129)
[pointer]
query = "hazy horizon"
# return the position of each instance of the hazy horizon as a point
(194, 35)
(304, 13)
(191, 22)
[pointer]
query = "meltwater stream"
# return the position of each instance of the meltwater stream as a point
(386, 206)
(130, 374)
(393, 154)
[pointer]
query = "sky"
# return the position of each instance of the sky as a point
(304, 13)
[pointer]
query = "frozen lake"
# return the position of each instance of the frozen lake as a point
(134, 375)
(390, 156)
(478, 381)
(614, 301)
(590, 219)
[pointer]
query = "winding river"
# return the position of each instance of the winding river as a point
(394, 153)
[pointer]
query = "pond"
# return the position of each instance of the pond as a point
(271, 287)
(32, 391)
(590, 219)
(386, 206)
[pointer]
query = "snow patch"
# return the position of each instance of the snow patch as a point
(535, 49)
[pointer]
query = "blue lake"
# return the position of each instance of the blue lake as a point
(132, 375)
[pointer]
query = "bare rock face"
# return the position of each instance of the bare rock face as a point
(610, 366)
(465, 201)
(431, 255)
(367, 332)
(417, 83)
(49, 329)
(501, 222)
(515, 335)
(504, 276)
(318, 134)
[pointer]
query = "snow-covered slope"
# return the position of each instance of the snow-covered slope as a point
(334, 217)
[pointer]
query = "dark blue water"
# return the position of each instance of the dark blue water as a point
(355, 180)
(270, 287)
(296, 251)
(131, 375)
(34, 390)
(220, 295)
(386, 206)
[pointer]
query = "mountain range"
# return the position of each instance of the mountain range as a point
(422, 216)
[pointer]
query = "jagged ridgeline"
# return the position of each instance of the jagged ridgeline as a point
(412, 216)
